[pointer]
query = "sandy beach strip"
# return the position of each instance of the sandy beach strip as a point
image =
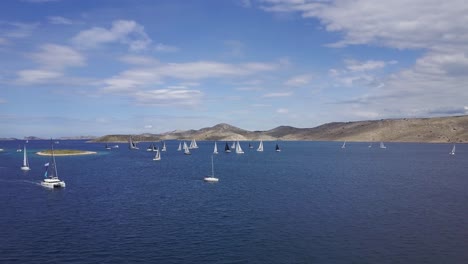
(67, 154)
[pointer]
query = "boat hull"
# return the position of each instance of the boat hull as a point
(211, 179)
(25, 168)
(53, 183)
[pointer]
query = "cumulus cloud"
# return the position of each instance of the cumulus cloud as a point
(168, 97)
(37, 76)
(126, 32)
(58, 56)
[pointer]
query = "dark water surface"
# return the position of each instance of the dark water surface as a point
(312, 203)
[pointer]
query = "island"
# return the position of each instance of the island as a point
(65, 152)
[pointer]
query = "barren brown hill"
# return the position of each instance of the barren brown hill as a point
(433, 130)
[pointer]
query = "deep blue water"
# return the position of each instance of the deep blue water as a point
(312, 203)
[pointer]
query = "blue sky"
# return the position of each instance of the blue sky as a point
(72, 68)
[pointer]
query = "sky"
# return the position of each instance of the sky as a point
(74, 68)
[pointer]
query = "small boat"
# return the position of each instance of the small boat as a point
(25, 166)
(163, 147)
(250, 146)
(115, 146)
(238, 148)
(212, 177)
(370, 145)
(277, 149)
(19, 149)
(180, 147)
(193, 144)
(344, 145)
(186, 149)
(233, 146)
(260, 146)
(131, 144)
(107, 147)
(158, 155)
(227, 149)
(51, 176)
(215, 150)
(453, 150)
(382, 146)
(151, 147)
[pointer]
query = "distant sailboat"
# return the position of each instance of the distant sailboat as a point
(453, 150)
(131, 144)
(151, 147)
(382, 146)
(180, 146)
(193, 144)
(186, 149)
(233, 146)
(238, 148)
(116, 146)
(164, 146)
(158, 155)
(107, 147)
(344, 145)
(25, 166)
(370, 145)
(215, 150)
(260, 146)
(19, 149)
(212, 177)
(250, 146)
(227, 149)
(277, 149)
(51, 176)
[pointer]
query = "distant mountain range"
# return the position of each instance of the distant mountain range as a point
(433, 130)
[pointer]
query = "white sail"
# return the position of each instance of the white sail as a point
(164, 146)
(180, 147)
(158, 155)
(193, 144)
(215, 150)
(25, 166)
(186, 149)
(451, 152)
(233, 146)
(260, 146)
(382, 146)
(238, 148)
(344, 145)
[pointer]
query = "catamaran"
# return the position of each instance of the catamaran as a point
(51, 176)
(25, 166)
(227, 149)
(215, 150)
(277, 149)
(453, 150)
(260, 146)
(382, 146)
(186, 149)
(158, 155)
(131, 144)
(212, 177)
(238, 148)
(164, 146)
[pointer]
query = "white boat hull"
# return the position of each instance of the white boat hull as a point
(25, 168)
(211, 179)
(53, 183)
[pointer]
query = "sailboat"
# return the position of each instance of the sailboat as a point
(164, 146)
(238, 148)
(453, 150)
(51, 176)
(382, 146)
(107, 147)
(250, 146)
(212, 177)
(233, 146)
(131, 144)
(215, 150)
(25, 166)
(277, 149)
(227, 149)
(186, 149)
(193, 144)
(180, 146)
(260, 146)
(151, 148)
(158, 155)
(344, 145)
(19, 149)
(370, 145)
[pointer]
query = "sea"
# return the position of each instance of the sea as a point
(313, 202)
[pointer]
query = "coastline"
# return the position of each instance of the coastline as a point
(67, 154)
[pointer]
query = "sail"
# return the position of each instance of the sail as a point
(344, 145)
(238, 148)
(277, 148)
(451, 152)
(233, 146)
(186, 149)
(226, 148)
(51, 167)
(215, 150)
(260, 146)
(158, 155)
(180, 147)
(164, 146)
(131, 144)
(193, 144)
(382, 145)
(25, 158)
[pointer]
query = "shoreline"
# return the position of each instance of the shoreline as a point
(67, 154)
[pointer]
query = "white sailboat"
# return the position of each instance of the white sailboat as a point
(212, 177)
(193, 144)
(382, 146)
(238, 148)
(260, 146)
(164, 146)
(158, 155)
(180, 147)
(131, 144)
(51, 176)
(344, 145)
(233, 146)
(186, 149)
(215, 150)
(453, 150)
(25, 166)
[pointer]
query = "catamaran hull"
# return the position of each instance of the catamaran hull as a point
(25, 168)
(54, 185)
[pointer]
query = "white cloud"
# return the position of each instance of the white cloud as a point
(299, 80)
(168, 97)
(16, 29)
(58, 56)
(138, 60)
(271, 95)
(59, 20)
(126, 32)
(148, 126)
(370, 65)
(37, 76)
(165, 48)
(282, 111)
